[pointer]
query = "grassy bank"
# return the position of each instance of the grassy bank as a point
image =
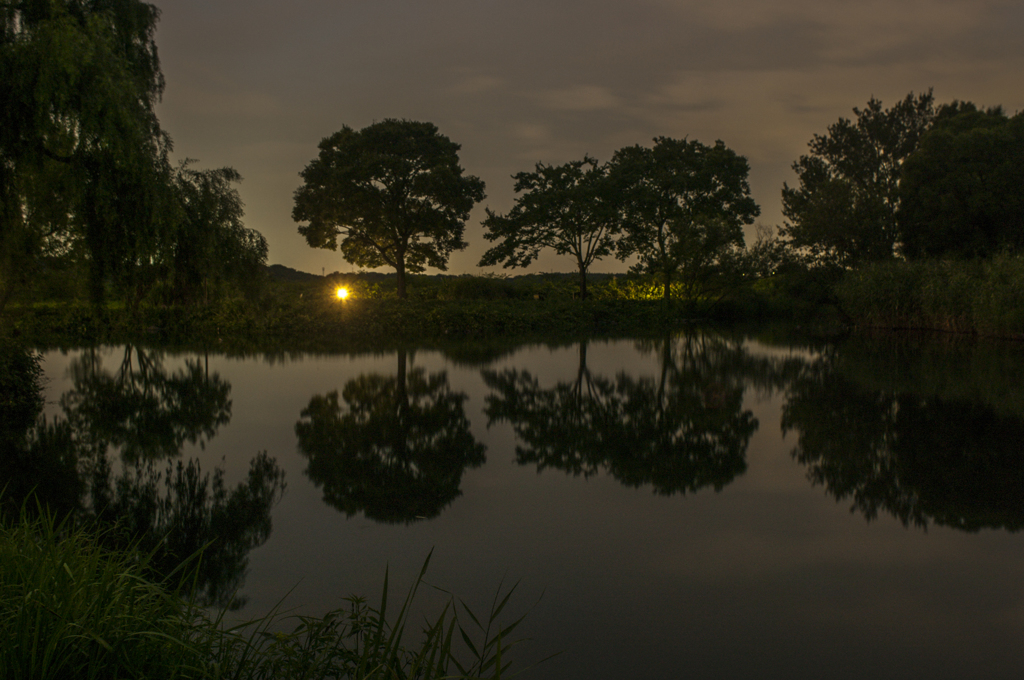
(71, 609)
(984, 297)
(308, 315)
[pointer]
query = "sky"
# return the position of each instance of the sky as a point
(256, 84)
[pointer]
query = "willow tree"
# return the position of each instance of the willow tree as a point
(392, 194)
(82, 154)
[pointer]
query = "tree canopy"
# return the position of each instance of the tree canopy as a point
(960, 194)
(85, 173)
(684, 206)
(211, 243)
(568, 208)
(80, 143)
(393, 193)
(844, 210)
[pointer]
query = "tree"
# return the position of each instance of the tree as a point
(844, 210)
(567, 208)
(960, 194)
(395, 194)
(211, 243)
(81, 149)
(684, 206)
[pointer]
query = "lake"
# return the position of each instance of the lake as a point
(701, 505)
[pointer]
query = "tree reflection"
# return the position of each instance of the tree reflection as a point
(680, 431)
(398, 451)
(141, 408)
(64, 465)
(922, 456)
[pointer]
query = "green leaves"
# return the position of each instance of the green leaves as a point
(960, 194)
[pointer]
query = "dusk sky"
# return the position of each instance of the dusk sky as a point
(256, 84)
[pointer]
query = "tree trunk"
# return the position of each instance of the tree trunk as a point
(583, 283)
(400, 275)
(667, 291)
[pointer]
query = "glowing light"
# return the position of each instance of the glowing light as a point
(342, 293)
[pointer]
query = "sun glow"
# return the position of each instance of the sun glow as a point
(342, 293)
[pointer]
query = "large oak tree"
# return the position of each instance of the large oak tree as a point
(393, 193)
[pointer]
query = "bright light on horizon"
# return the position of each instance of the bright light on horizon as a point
(342, 293)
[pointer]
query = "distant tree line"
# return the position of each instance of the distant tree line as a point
(911, 181)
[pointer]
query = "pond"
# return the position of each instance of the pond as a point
(701, 505)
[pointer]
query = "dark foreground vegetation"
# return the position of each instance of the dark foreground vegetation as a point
(72, 608)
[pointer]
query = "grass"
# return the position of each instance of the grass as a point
(984, 297)
(71, 609)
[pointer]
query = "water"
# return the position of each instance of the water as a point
(700, 506)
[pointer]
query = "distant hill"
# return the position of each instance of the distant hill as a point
(279, 271)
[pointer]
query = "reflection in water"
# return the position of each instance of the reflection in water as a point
(903, 443)
(141, 409)
(147, 414)
(398, 452)
(681, 431)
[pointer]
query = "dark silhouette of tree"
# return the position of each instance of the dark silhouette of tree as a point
(142, 409)
(679, 432)
(395, 194)
(80, 144)
(921, 457)
(212, 246)
(960, 194)
(844, 210)
(685, 204)
(569, 208)
(398, 451)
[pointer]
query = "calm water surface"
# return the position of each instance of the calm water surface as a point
(698, 506)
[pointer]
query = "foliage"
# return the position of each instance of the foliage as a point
(568, 208)
(985, 297)
(960, 195)
(71, 609)
(844, 210)
(393, 192)
(684, 206)
(82, 153)
(211, 244)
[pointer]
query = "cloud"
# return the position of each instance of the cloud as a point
(579, 98)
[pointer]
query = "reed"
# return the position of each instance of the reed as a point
(70, 609)
(974, 296)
